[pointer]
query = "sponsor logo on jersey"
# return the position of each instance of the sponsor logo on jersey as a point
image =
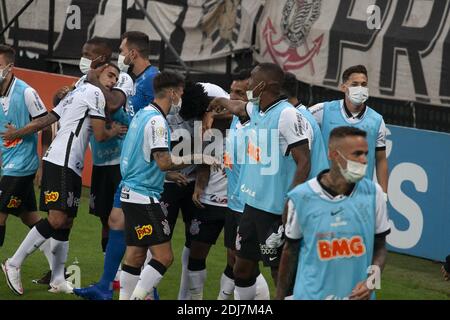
(227, 162)
(340, 248)
(143, 231)
(12, 143)
(254, 152)
(14, 203)
(52, 196)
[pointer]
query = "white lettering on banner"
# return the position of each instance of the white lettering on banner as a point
(406, 206)
(73, 21)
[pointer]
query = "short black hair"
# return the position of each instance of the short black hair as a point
(242, 75)
(8, 52)
(139, 41)
(195, 101)
(354, 69)
(165, 80)
(103, 45)
(347, 131)
(273, 72)
(290, 85)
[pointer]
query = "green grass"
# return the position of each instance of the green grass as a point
(404, 277)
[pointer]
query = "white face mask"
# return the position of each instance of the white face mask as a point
(175, 108)
(250, 95)
(358, 95)
(354, 172)
(85, 65)
(121, 63)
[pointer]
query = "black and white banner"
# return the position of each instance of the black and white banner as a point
(405, 44)
(198, 29)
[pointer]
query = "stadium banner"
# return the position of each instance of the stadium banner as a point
(419, 192)
(402, 42)
(198, 29)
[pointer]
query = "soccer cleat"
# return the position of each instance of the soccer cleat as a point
(13, 280)
(63, 287)
(93, 293)
(47, 277)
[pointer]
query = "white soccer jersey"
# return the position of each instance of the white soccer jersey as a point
(182, 131)
(74, 113)
(317, 112)
(293, 127)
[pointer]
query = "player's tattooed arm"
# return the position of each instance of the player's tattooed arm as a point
(201, 182)
(287, 269)
(301, 155)
(34, 126)
(236, 107)
(379, 252)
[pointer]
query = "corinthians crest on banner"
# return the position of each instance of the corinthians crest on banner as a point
(286, 36)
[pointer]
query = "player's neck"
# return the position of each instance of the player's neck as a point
(5, 84)
(352, 108)
(164, 104)
(267, 102)
(140, 65)
(336, 182)
(294, 101)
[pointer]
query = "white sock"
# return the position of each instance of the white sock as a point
(226, 288)
(45, 248)
(262, 288)
(183, 293)
(150, 278)
(32, 241)
(149, 257)
(246, 293)
(128, 283)
(196, 283)
(60, 249)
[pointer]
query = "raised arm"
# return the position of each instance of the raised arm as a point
(236, 107)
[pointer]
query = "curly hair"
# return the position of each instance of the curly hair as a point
(195, 101)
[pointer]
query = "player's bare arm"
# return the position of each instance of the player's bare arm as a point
(382, 169)
(101, 133)
(301, 156)
(201, 182)
(34, 126)
(236, 107)
(287, 268)
(361, 291)
(115, 99)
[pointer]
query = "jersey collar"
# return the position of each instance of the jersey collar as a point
(140, 74)
(350, 115)
(272, 105)
(10, 86)
(329, 191)
(154, 104)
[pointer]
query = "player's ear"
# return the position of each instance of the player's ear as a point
(343, 88)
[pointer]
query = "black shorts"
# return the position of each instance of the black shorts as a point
(232, 219)
(17, 195)
(60, 189)
(260, 236)
(174, 199)
(104, 182)
(145, 224)
(208, 224)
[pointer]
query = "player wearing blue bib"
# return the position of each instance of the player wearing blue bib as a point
(19, 159)
(336, 227)
(144, 160)
(353, 111)
(133, 58)
(278, 159)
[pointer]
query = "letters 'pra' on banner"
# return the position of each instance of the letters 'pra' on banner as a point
(402, 42)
